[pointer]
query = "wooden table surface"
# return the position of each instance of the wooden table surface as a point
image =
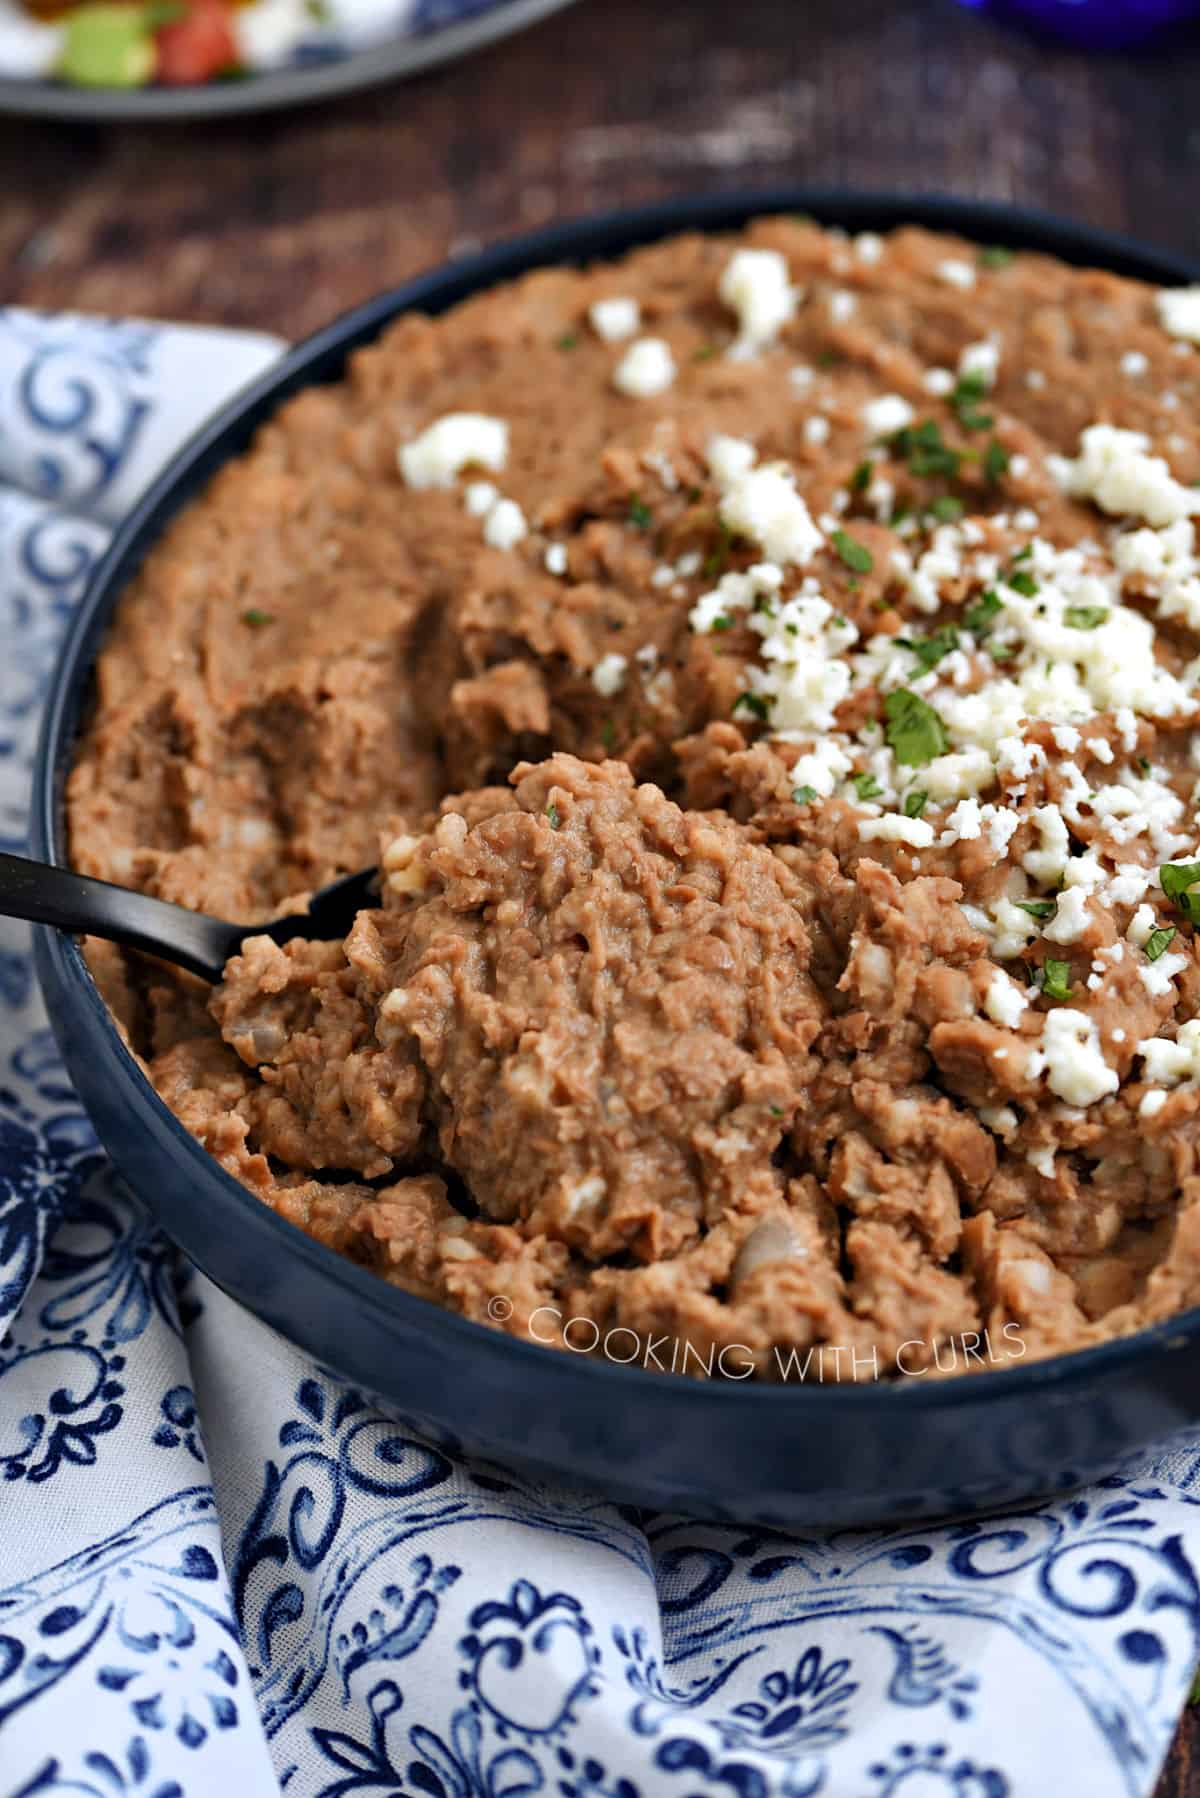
(284, 220)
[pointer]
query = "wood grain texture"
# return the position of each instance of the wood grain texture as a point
(281, 222)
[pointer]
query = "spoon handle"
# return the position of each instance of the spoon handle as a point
(45, 894)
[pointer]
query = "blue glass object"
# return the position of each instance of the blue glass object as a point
(1096, 24)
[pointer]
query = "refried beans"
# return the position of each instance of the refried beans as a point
(767, 670)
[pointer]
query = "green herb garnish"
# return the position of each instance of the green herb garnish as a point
(753, 702)
(996, 461)
(1002, 652)
(1056, 979)
(924, 449)
(1177, 880)
(723, 622)
(995, 255)
(914, 731)
(256, 616)
(968, 391)
(866, 786)
(915, 803)
(568, 341)
(854, 554)
(978, 618)
(803, 795)
(930, 650)
(860, 480)
(1159, 941)
(1085, 618)
(946, 508)
(706, 352)
(1021, 582)
(639, 514)
(552, 816)
(1038, 908)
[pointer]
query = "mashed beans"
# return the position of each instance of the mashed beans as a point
(768, 668)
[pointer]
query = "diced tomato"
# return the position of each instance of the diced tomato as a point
(196, 47)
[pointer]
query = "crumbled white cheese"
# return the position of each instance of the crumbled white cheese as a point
(1134, 363)
(757, 287)
(504, 525)
(480, 497)
(824, 765)
(958, 776)
(842, 306)
(458, 440)
(938, 381)
(1004, 1002)
(1115, 469)
(556, 558)
(802, 377)
(868, 247)
(894, 827)
(1152, 1103)
(1076, 1070)
(762, 503)
(1177, 1063)
(1071, 919)
(889, 413)
(647, 368)
(1179, 312)
(956, 272)
(615, 319)
(816, 429)
(608, 676)
(980, 361)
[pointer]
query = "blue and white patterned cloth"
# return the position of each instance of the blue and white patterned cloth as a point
(222, 1573)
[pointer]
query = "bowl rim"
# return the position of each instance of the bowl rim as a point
(319, 359)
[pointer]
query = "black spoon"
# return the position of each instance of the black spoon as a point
(45, 894)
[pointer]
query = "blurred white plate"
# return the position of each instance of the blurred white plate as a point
(335, 72)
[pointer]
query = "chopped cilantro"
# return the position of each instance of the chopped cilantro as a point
(978, 618)
(854, 554)
(718, 555)
(1038, 908)
(552, 816)
(946, 508)
(914, 731)
(567, 341)
(1178, 878)
(639, 514)
(995, 255)
(803, 795)
(930, 650)
(753, 702)
(1021, 582)
(1159, 941)
(915, 803)
(1003, 652)
(722, 622)
(866, 786)
(860, 480)
(706, 352)
(1085, 618)
(996, 461)
(1021, 555)
(1056, 979)
(925, 451)
(968, 391)
(253, 615)
(1143, 763)
(827, 358)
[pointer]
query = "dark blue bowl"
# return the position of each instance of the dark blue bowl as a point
(786, 1455)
